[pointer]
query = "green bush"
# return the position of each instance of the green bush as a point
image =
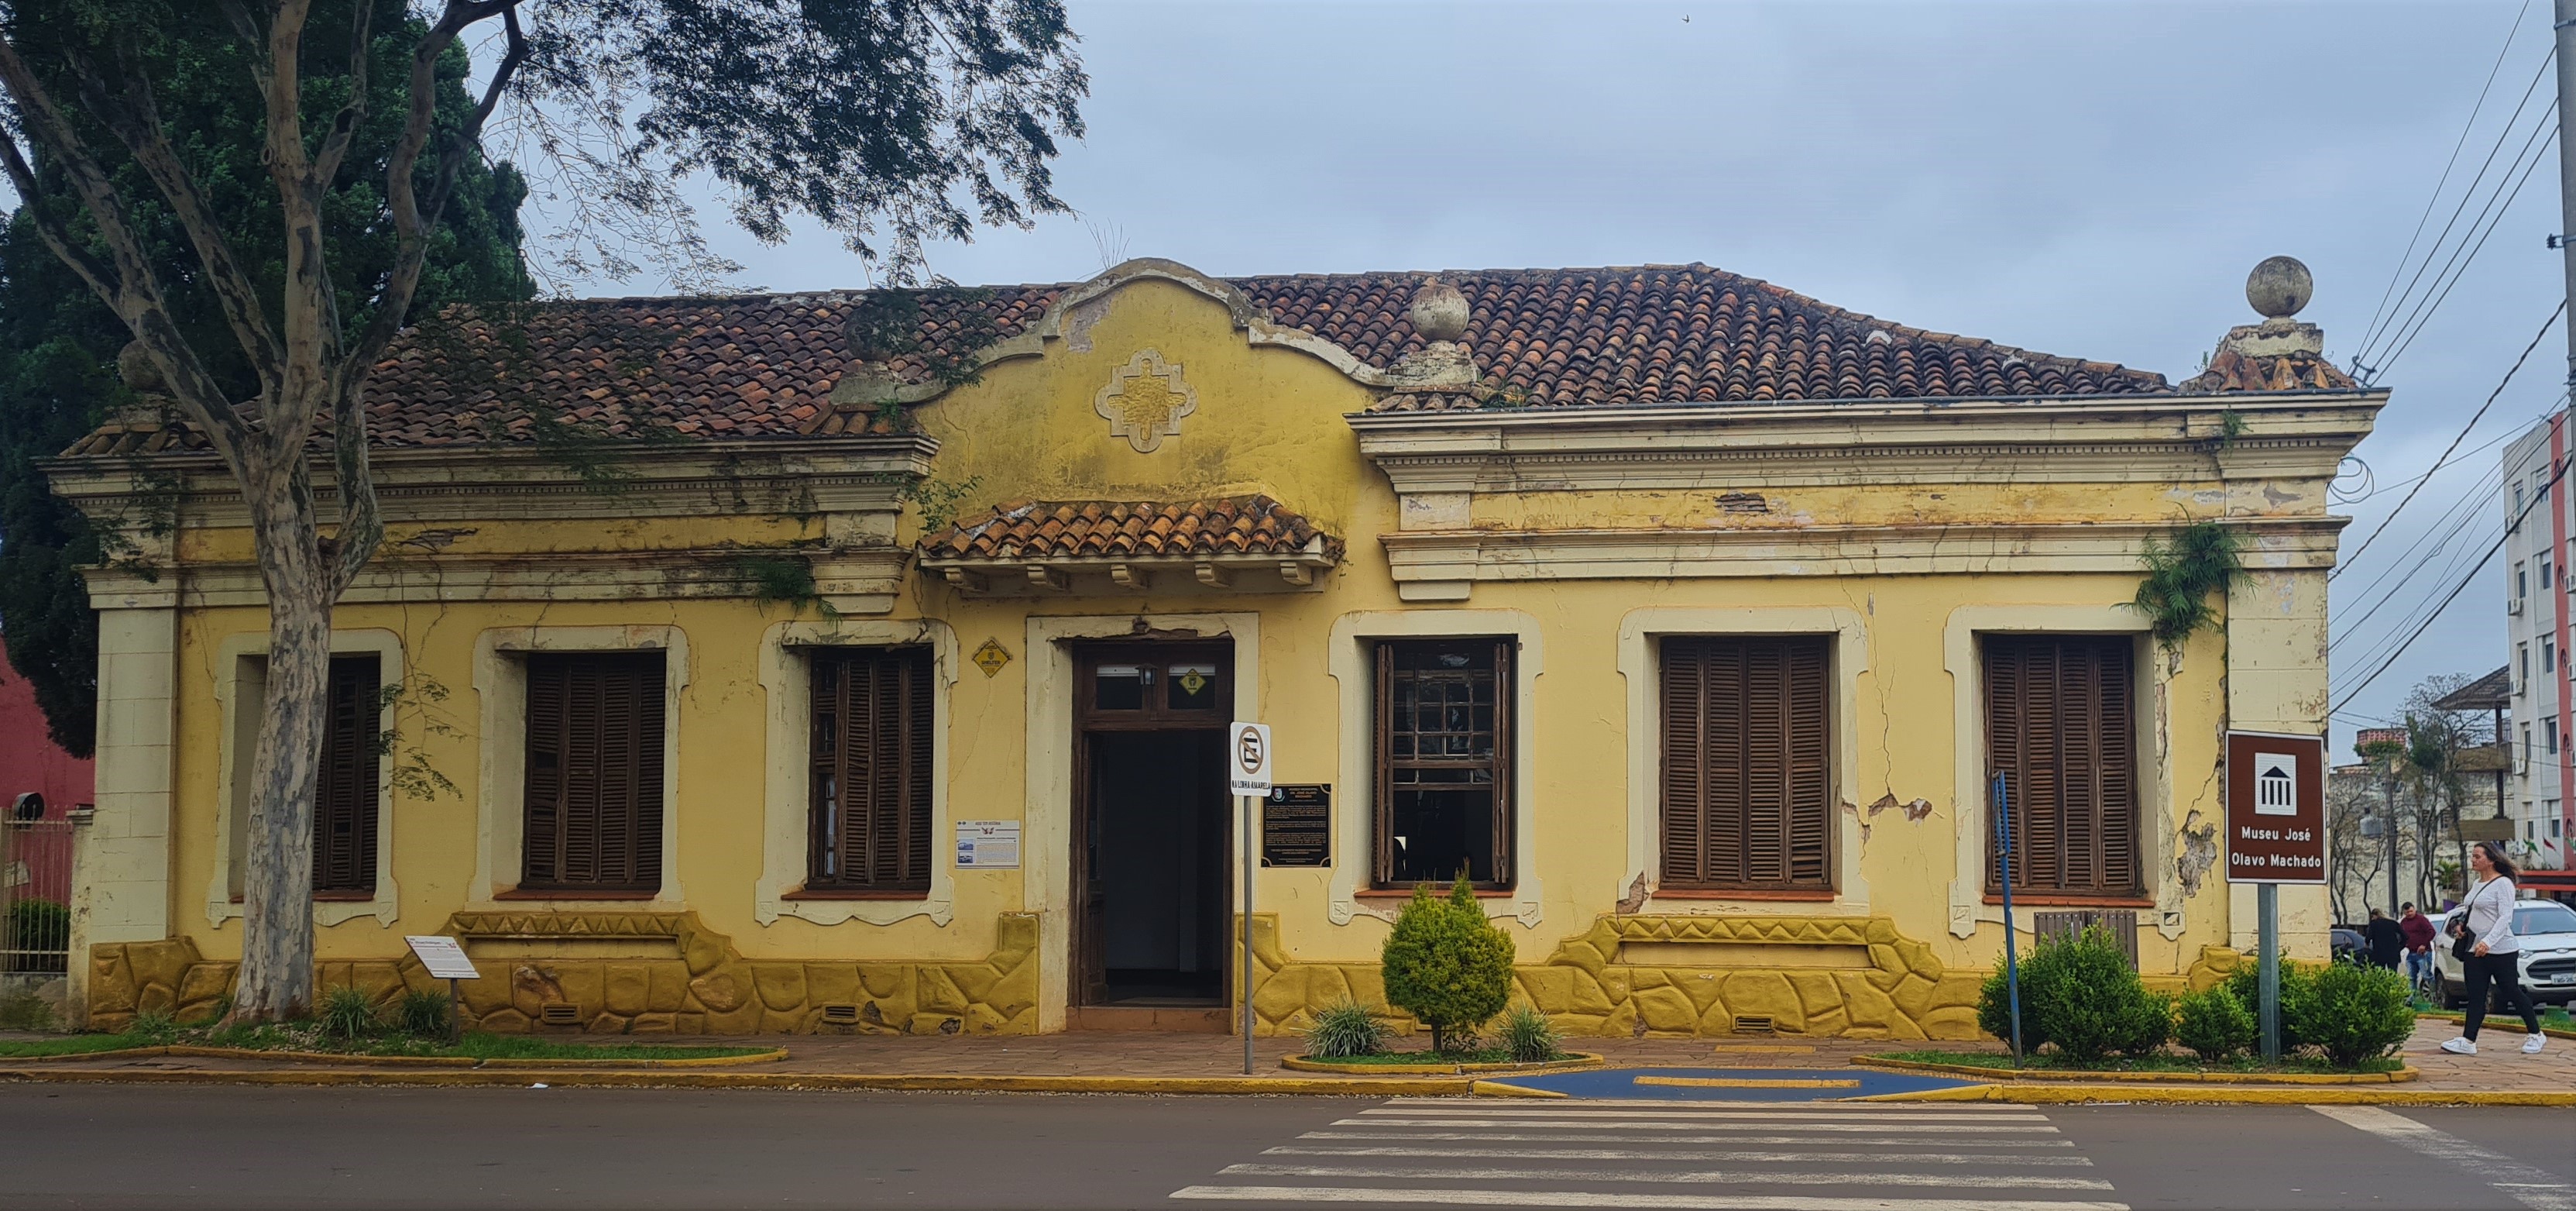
(1344, 1031)
(153, 1026)
(421, 1014)
(2079, 995)
(2298, 1001)
(2215, 1025)
(2360, 1013)
(346, 1014)
(36, 925)
(1446, 965)
(1529, 1036)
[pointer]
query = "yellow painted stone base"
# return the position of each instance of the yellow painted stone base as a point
(1854, 977)
(703, 986)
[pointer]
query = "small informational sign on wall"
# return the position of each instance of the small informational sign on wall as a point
(2276, 808)
(442, 957)
(988, 844)
(1297, 825)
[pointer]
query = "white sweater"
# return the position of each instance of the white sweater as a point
(2491, 916)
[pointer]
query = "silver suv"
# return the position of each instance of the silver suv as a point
(2548, 933)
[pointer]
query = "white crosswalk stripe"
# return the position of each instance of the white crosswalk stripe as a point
(1808, 1156)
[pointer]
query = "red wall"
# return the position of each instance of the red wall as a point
(29, 759)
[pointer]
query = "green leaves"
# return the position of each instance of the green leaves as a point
(1445, 964)
(2183, 573)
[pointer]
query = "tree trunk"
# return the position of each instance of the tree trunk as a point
(276, 980)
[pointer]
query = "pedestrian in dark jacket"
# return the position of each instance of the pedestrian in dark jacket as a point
(2419, 944)
(2386, 940)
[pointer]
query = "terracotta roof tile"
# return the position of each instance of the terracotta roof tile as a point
(765, 365)
(1102, 529)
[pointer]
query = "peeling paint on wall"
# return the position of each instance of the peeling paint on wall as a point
(2199, 853)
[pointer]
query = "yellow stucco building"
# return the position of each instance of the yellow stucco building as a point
(853, 662)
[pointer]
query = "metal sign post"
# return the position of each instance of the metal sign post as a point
(443, 959)
(2276, 834)
(1247, 749)
(2012, 958)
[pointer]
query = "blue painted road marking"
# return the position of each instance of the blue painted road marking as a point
(1731, 1084)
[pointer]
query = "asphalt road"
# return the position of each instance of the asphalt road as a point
(205, 1148)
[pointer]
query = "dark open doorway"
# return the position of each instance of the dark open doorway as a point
(1150, 854)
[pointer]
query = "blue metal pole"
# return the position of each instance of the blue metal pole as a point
(2012, 957)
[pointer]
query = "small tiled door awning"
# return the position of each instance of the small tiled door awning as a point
(1240, 543)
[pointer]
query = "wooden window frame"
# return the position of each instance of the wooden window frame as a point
(898, 854)
(1498, 763)
(2078, 810)
(1707, 807)
(548, 848)
(348, 787)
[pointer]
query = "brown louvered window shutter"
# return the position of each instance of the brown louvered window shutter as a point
(1443, 751)
(1747, 797)
(594, 776)
(871, 753)
(346, 794)
(2061, 727)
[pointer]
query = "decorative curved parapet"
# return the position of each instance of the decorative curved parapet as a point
(625, 973)
(1849, 976)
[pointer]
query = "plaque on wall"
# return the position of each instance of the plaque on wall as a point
(1297, 825)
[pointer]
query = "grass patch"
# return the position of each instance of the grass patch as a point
(71, 1044)
(2051, 1061)
(1490, 1055)
(307, 1036)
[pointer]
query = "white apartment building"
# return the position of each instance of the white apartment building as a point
(2540, 538)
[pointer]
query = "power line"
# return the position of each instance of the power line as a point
(2556, 473)
(2382, 527)
(2373, 335)
(2457, 268)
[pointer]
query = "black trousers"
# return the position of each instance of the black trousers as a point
(2505, 972)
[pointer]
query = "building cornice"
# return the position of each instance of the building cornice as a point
(803, 476)
(2122, 439)
(1443, 565)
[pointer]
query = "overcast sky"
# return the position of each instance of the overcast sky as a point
(2088, 179)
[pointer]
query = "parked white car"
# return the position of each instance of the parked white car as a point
(2548, 932)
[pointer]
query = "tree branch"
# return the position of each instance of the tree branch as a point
(402, 198)
(135, 294)
(135, 120)
(344, 126)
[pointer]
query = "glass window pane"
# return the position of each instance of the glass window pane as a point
(1190, 687)
(1119, 687)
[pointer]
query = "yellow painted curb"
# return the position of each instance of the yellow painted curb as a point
(1577, 1059)
(2400, 1076)
(686, 1079)
(1499, 1089)
(770, 1056)
(2505, 1021)
(2234, 1095)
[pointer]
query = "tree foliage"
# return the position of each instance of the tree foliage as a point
(59, 343)
(263, 257)
(1445, 964)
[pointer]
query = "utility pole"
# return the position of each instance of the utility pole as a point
(2563, 24)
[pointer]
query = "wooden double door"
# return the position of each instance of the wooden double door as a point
(1151, 829)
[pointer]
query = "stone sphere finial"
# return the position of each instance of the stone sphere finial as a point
(2279, 287)
(135, 367)
(1439, 311)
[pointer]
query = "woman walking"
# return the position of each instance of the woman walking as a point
(2482, 936)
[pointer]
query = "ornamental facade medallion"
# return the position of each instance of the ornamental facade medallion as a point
(1145, 400)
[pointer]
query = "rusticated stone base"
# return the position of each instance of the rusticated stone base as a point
(705, 987)
(1891, 988)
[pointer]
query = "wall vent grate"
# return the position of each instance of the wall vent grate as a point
(559, 1013)
(1755, 1024)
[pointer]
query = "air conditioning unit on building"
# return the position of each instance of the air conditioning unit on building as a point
(2514, 606)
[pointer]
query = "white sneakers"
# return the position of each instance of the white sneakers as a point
(2530, 1045)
